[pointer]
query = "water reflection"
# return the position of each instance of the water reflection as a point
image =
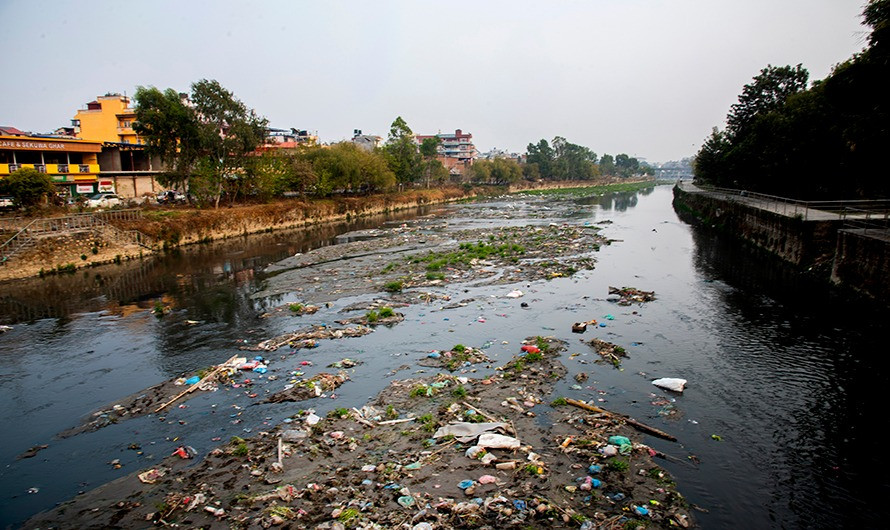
(131, 285)
(798, 383)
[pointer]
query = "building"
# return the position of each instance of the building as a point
(456, 151)
(368, 142)
(107, 118)
(502, 153)
(73, 164)
(288, 138)
(123, 160)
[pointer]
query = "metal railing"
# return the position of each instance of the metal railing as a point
(837, 209)
(867, 219)
(99, 221)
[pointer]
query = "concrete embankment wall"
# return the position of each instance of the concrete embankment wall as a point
(804, 243)
(824, 248)
(863, 263)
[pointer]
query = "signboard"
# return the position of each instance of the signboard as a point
(106, 186)
(26, 144)
(83, 188)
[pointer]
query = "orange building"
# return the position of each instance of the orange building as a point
(108, 118)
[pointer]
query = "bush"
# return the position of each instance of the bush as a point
(28, 186)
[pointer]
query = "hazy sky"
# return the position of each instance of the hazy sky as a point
(645, 77)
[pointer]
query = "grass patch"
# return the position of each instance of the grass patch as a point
(296, 308)
(393, 286)
(618, 464)
(559, 402)
(386, 312)
(372, 316)
(459, 392)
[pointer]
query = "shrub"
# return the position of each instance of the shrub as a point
(386, 312)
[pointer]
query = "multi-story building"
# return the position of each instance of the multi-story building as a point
(456, 151)
(109, 119)
(72, 164)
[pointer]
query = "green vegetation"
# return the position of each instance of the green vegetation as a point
(393, 286)
(391, 412)
(594, 189)
(296, 308)
(467, 252)
(618, 464)
(459, 348)
(27, 186)
(459, 391)
(420, 391)
(788, 137)
(339, 413)
(347, 515)
(372, 316)
(427, 422)
(241, 450)
(559, 402)
(386, 312)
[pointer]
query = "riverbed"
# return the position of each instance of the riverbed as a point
(777, 428)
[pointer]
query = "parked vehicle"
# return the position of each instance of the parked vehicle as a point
(171, 197)
(104, 200)
(6, 203)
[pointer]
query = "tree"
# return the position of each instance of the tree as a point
(573, 161)
(767, 93)
(607, 165)
(170, 129)
(402, 154)
(204, 143)
(28, 186)
(228, 132)
(542, 155)
(429, 148)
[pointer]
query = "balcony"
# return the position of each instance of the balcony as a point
(52, 169)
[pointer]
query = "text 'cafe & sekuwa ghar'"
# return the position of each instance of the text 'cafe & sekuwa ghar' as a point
(72, 164)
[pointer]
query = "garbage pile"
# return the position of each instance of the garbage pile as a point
(457, 358)
(631, 295)
(307, 337)
(610, 353)
(435, 452)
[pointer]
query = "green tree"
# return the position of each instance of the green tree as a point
(429, 148)
(171, 131)
(573, 161)
(543, 156)
(607, 165)
(28, 186)
(207, 140)
(401, 152)
(768, 92)
(228, 131)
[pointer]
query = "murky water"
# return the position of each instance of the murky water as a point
(789, 375)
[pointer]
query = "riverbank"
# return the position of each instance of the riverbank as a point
(174, 227)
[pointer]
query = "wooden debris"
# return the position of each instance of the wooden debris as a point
(213, 373)
(627, 419)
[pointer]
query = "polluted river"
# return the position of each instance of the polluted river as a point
(778, 425)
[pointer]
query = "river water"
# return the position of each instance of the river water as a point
(779, 426)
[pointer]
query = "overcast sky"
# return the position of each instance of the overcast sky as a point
(645, 77)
